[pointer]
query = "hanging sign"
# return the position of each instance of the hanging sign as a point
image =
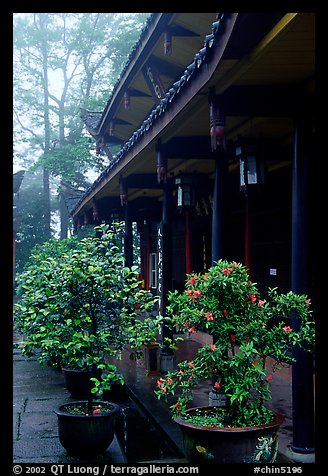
(160, 265)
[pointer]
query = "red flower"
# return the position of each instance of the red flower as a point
(169, 380)
(192, 280)
(225, 313)
(193, 294)
(217, 385)
(213, 347)
(227, 270)
(209, 316)
(205, 277)
(96, 411)
(260, 303)
(232, 338)
(269, 377)
(252, 297)
(287, 328)
(192, 330)
(177, 407)
(160, 382)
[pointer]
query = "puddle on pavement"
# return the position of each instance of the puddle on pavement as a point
(139, 439)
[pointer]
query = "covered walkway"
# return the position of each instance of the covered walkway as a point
(146, 433)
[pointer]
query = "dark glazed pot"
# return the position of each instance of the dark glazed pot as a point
(252, 444)
(78, 382)
(86, 435)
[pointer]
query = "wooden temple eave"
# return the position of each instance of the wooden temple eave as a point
(257, 94)
(154, 31)
(169, 119)
(188, 32)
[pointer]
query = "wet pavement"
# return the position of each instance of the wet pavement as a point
(37, 390)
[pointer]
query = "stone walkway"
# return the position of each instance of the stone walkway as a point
(37, 390)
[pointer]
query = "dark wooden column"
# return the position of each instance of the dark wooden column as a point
(218, 206)
(247, 234)
(147, 231)
(167, 357)
(302, 370)
(187, 241)
(128, 238)
(95, 212)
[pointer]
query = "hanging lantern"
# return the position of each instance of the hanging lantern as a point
(167, 42)
(123, 192)
(217, 125)
(127, 100)
(251, 164)
(161, 165)
(185, 191)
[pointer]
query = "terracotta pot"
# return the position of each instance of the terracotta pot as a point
(252, 444)
(86, 435)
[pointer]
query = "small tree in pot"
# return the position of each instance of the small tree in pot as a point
(96, 306)
(247, 331)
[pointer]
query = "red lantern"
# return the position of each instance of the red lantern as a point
(217, 126)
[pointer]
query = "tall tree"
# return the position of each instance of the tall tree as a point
(64, 61)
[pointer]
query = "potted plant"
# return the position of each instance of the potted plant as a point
(248, 333)
(91, 306)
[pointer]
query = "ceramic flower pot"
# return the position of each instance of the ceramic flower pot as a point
(253, 444)
(78, 382)
(86, 434)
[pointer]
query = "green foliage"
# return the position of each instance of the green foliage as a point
(79, 304)
(71, 161)
(64, 61)
(30, 208)
(246, 331)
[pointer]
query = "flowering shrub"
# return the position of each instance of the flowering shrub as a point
(246, 330)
